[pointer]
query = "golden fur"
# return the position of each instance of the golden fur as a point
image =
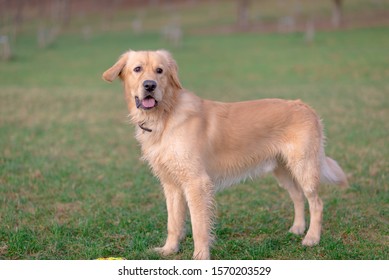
(196, 146)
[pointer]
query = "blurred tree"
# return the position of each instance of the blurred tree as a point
(5, 48)
(243, 14)
(337, 13)
(11, 15)
(310, 30)
(11, 20)
(18, 18)
(51, 21)
(66, 12)
(109, 9)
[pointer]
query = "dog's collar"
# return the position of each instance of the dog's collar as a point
(141, 125)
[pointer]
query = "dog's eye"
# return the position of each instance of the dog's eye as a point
(137, 69)
(159, 70)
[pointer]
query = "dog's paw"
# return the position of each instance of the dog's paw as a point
(297, 229)
(165, 251)
(310, 240)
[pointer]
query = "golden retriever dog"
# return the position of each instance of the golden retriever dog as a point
(196, 147)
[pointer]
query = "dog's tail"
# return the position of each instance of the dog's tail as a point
(332, 173)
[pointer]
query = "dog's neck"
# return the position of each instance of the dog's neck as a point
(148, 123)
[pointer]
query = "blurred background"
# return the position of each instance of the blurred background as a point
(71, 182)
(48, 20)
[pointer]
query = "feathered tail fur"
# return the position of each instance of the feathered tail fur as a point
(332, 173)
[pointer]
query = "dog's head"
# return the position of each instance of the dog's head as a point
(150, 78)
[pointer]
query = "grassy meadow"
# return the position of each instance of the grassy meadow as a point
(72, 185)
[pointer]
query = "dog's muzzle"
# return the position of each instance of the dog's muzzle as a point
(146, 103)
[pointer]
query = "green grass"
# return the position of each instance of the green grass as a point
(72, 185)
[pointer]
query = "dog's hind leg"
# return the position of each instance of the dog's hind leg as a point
(306, 172)
(316, 211)
(286, 181)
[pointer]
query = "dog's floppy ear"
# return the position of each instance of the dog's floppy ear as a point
(113, 72)
(173, 69)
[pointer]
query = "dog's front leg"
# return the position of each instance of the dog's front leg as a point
(176, 208)
(200, 197)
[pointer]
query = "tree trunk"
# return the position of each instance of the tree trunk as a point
(243, 14)
(337, 13)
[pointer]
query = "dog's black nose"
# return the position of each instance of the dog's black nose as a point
(149, 85)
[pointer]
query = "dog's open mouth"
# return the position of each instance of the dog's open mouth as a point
(146, 103)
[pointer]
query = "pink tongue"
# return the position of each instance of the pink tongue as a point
(148, 102)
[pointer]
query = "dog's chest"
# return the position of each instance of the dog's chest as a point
(169, 159)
